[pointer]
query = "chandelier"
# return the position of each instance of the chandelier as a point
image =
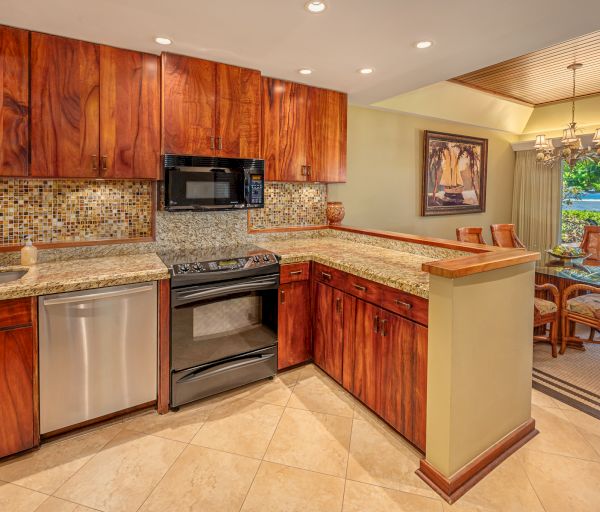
(572, 149)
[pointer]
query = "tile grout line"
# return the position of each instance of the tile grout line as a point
(520, 462)
(347, 461)
(163, 476)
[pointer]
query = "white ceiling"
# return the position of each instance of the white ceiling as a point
(279, 36)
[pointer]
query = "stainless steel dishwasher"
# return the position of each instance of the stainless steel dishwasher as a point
(98, 353)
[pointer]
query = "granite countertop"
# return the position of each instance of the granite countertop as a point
(84, 274)
(390, 267)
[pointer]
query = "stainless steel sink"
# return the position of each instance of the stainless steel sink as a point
(6, 276)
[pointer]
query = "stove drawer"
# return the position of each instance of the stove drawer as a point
(212, 378)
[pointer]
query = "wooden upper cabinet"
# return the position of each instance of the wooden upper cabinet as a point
(304, 132)
(238, 112)
(189, 105)
(327, 135)
(14, 103)
(64, 107)
(284, 130)
(129, 114)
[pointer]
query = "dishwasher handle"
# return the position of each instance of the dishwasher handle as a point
(96, 296)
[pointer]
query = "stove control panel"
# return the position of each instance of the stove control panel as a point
(257, 260)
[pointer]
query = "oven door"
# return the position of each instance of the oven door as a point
(208, 188)
(213, 322)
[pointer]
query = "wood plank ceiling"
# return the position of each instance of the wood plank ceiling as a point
(542, 77)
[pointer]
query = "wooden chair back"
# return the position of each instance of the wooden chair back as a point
(504, 235)
(591, 241)
(470, 234)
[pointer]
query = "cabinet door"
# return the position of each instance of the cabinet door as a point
(404, 377)
(284, 130)
(327, 135)
(328, 330)
(64, 107)
(14, 104)
(294, 336)
(238, 112)
(189, 105)
(366, 383)
(129, 114)
(16, 390)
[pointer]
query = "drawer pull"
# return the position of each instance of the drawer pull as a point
(338, 305)
(382, 327)
(403, 304)
(295, 272)
(376, 324)
(359, 287)
(326, 275)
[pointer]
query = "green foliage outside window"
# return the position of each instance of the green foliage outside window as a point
(577, 180)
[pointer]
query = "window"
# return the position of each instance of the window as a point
(581, 199)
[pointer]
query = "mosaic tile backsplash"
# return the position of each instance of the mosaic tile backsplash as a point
(74, 210)
(290, 205)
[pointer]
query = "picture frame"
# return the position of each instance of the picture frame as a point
(454, 174)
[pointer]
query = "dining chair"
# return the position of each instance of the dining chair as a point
(470, 234)
(580, 305)
(546, 314)
(504, 235)
(591, 241)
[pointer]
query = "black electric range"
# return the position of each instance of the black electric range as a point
(223, 319)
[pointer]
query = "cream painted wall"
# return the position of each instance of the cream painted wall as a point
(383, 190)
(552, 119)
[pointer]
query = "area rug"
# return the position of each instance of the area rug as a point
(573, 378)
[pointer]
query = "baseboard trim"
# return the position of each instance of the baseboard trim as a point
(452, 488)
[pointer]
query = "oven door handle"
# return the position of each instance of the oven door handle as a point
(183, 297)
(224, 367)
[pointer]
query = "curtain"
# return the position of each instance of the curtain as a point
(537, 198)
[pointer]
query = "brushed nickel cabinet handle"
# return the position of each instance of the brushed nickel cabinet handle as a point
(359, 287)
(212, 143)
(94, 162)
(382, 327)
(303, 170)
(295, 272)
(338, 304)
(308, 169)
(220, 139)
(326, 275)
(104, 163)
(376, 324)
(282, 297)
(403, 304)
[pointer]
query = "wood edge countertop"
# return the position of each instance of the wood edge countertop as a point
(484, 258)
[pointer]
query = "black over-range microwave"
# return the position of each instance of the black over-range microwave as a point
(212, 183)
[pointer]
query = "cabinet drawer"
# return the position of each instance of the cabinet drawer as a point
(363, 288)
(330, 276)
(405, 304)
(294, 272)
(15, 312)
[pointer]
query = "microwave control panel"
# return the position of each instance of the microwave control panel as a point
(256, 189)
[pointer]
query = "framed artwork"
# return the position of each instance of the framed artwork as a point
(454, 174)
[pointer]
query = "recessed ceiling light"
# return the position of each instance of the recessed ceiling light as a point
(305, 71)
(421, 45)
(315, 7)
(365, 71)
(162, 40)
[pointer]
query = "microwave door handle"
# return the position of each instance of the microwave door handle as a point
(219, 291)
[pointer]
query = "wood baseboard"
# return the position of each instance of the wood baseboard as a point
(452, 488)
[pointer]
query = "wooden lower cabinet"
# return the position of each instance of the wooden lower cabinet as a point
(18, 383)
(294, 319)
(328, 329)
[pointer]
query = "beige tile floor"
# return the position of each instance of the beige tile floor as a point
(298, 443)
